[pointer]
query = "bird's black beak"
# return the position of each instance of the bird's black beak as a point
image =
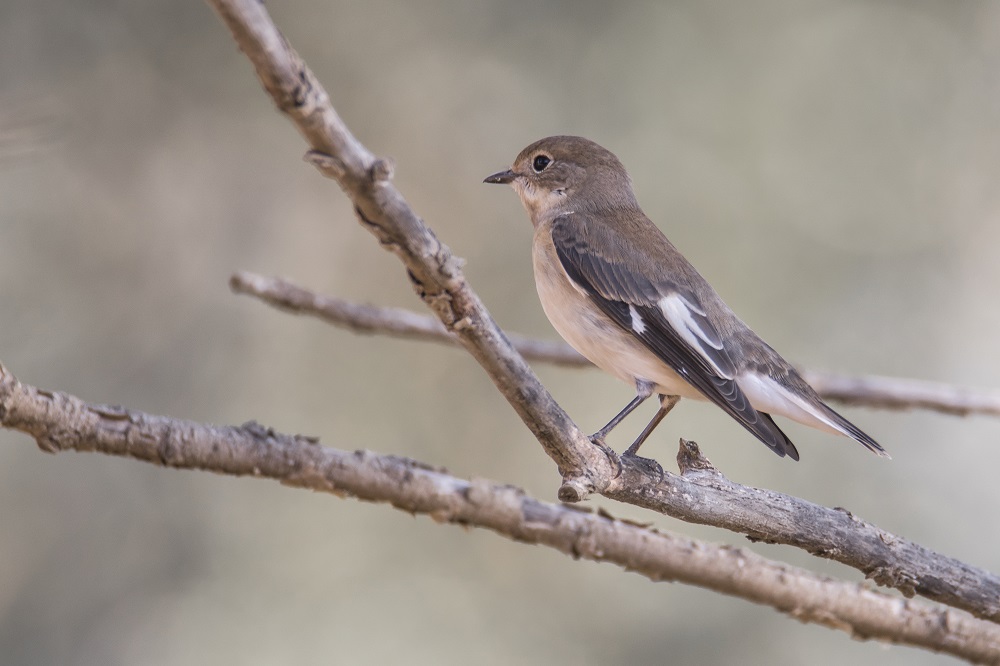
(501, 177)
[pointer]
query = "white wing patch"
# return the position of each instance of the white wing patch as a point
(678, 312)
(638, 325)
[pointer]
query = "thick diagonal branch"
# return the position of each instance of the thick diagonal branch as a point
(59, 422)
(439, 281)
(434, 271)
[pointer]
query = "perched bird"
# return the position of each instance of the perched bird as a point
(622, 295)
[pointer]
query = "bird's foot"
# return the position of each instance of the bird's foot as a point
(597, 440)
(648, 465)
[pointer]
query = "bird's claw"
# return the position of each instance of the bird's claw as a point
(598, 441)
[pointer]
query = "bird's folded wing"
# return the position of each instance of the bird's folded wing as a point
(666, 317)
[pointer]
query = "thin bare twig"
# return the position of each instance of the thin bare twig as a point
(374, 319)
(60, 422)
(868, 391)
(438, 279)
(900, 393)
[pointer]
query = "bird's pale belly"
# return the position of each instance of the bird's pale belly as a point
(578, 320)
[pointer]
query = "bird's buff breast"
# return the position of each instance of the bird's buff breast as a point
(588, 330)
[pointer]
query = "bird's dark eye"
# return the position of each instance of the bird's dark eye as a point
(540, 162)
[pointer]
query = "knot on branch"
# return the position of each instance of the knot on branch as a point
(459, 324)
(256, 431)
(896, 578)
(440, 302)
(689, 458)
(298, 94)
(575, 489)
(328, 165)
(382, 170)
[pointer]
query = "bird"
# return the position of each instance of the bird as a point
(619, 292)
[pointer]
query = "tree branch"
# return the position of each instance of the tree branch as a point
(868, 391)
(60, 422)
(374, 319)
(435, 272)
(698, 495)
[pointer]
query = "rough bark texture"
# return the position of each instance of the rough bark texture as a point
(586, 468)
(702, 494)
(61, 422)
(699, 493)
(435, 272)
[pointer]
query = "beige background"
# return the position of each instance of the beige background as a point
(830, 166)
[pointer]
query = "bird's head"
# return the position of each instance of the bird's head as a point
(559, 174)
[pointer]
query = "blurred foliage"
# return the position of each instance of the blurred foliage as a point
(829, 166)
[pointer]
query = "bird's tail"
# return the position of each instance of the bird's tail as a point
(853, 431)
(775, 437)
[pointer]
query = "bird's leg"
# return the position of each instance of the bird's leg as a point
(643, 390)
(667, 403)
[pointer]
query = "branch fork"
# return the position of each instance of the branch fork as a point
(700, 493)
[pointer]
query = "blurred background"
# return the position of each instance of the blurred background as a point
(831, 167)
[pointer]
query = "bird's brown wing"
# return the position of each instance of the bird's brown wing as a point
(662, 314)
